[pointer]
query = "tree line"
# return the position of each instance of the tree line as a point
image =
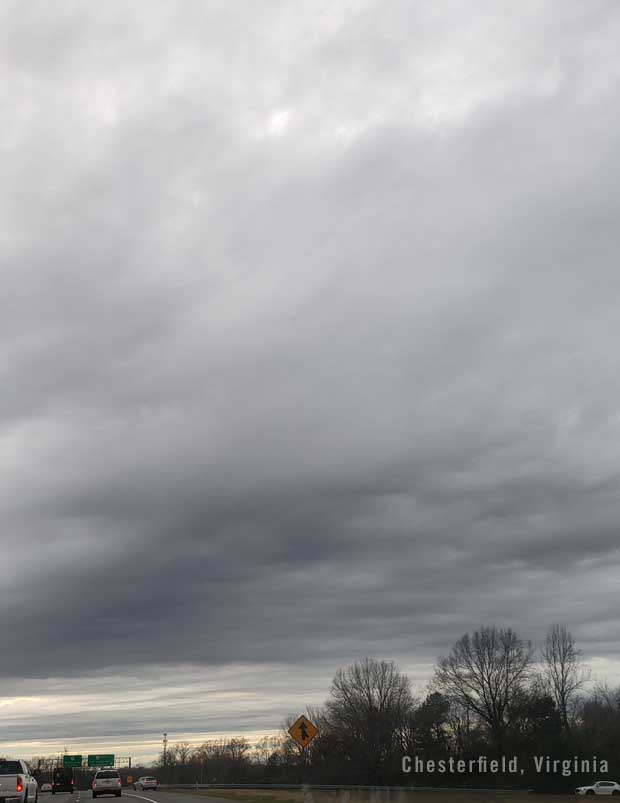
(493, 694)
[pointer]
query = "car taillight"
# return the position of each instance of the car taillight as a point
(120, 783)
(94, 784)
(19, 784)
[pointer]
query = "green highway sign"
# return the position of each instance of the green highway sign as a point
(106, 760)
(71, 761)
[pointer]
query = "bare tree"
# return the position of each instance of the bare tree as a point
(564, 670)
(370, 703)
(182, 751)
(237, 749)
(483, 673)
(464, 728)
(265, 748)
(608, 696)
(44, 763)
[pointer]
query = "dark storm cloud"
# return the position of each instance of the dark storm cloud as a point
(308, 333)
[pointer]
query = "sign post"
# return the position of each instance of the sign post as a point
(71, 761)
(303, 732)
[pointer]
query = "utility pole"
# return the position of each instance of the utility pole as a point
(165, 749)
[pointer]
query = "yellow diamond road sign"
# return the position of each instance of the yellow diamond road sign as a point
(303, 731)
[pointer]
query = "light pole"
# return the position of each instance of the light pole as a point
(165, 757)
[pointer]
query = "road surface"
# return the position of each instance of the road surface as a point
(129, 796)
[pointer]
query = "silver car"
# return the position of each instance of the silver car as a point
(599, 788)
(146, 782)
(107, 782)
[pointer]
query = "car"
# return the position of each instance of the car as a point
(146, 782)
(107, 782)
(17, 782)
(62, 780)
(599, 788)
(45, 787)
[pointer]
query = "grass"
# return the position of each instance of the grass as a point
(326, 796)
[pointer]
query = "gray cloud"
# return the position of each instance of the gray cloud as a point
(307, 339)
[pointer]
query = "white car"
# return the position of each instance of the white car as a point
(46, 787)
(107, 782)
(17, 783)
(146, 782)
(599, 788)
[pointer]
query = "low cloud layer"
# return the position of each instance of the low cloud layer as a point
(308, 334)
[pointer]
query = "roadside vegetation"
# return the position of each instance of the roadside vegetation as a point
(493, 694)
(438, 796)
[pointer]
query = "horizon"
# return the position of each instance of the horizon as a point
(308, 320)
(602, 672)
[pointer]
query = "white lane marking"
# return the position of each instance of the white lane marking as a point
(150, 799)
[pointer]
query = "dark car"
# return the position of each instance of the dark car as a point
(62, 780)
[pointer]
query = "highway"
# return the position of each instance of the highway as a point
(136, 797)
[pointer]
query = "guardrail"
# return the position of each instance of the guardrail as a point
(298, 787)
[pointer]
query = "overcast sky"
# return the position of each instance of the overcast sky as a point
(309, 325)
